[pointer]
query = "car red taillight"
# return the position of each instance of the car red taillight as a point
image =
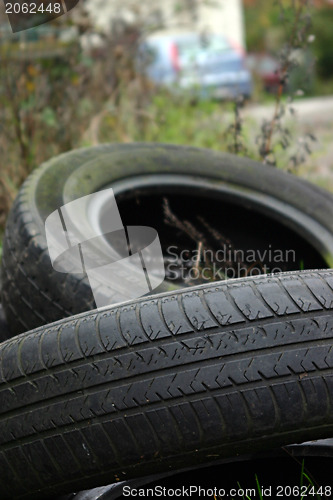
(174, 54)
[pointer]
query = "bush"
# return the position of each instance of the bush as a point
(323, 29)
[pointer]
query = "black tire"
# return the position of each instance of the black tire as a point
(4, 331)
(171, 381)
(34, 294)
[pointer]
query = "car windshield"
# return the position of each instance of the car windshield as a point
(197, 49)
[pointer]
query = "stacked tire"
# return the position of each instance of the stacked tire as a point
(177, 379)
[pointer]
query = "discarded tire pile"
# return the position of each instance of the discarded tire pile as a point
(190, 373)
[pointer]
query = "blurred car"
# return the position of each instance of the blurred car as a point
(207, 65)
(301, 70)
(267, 68)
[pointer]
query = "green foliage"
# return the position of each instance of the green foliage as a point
(170, 119)
(322, 24)
(183, 121)
(267, 30)
(261, 17)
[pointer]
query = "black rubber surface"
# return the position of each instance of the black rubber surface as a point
(4, 330)
(162, 383)
(34, 294)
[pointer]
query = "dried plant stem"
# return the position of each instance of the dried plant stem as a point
(197, 262)
(268, 144)
(185, 226)
(292, 42)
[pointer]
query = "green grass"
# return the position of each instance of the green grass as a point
(176, 120)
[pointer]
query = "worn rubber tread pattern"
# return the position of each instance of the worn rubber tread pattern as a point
(181, 378)
(33, 294)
